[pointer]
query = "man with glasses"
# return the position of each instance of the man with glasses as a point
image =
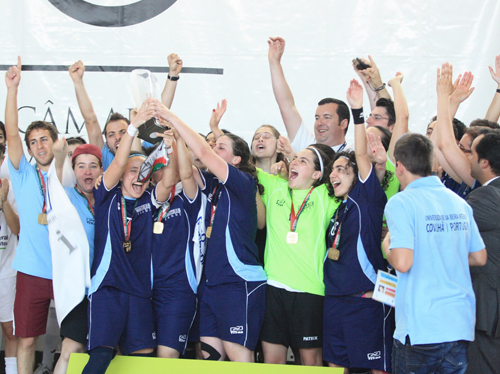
(382, 115)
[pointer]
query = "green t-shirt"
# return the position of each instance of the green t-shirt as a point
(298, 266)
(393, 187)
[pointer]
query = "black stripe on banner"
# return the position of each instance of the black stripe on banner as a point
(118, 69)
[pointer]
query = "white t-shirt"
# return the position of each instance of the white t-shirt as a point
(304, 138)
(4, 169)
(8, 241)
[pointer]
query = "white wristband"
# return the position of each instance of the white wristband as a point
(170, 150)
(132, 130)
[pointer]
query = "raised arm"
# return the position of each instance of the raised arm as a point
(170, 176)
(379, 155)
(282, 92)
(374, 80)
(455, 158)
(175, 67)
(12, 80)
(216, 117)
(355, 100)
(117, 167)
(60, 150)
(199, 146)
(402, 114)
(494, 110)
(94, 131)
(186, 170)
(11, 216)
(461, 93)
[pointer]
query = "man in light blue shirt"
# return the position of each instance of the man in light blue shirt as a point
(33, 257)
(432, 242)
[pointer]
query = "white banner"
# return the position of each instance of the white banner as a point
(223, 44)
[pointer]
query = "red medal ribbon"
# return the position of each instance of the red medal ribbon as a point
(42, 186)
(127, 226)
(89, 206)
(164, 211)
(294, 218)
(214, 204)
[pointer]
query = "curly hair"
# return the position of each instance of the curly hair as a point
(240, 148)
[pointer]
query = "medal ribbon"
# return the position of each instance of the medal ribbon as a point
(294, 218)
(163, 211)
(215, 202)
(42, 186)
(341, 148)
(89, 206)
(336, 238)
(127, 226)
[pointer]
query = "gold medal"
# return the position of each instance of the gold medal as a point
(209, 232)
(292, 237)
(127, 245)
(333, 254)
(158, 228)
(42, 218)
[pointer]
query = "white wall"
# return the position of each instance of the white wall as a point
(322, 37)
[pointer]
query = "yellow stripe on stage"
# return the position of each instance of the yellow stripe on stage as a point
(145, 365)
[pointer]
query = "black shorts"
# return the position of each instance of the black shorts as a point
(293, 319)
(74, 326)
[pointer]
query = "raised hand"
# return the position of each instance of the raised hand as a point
(218, 113)
(355, 95)
(168, 137)
(174, 64)
(495, 74)
(60, 147)
(4, 191)
(279, 168)
(462, 87)
(77, 70)
(398, 79)
(276, 48)
(13, 75)
(285, 147)
(376, 150)
(444, 83)
(372, 73)
(148, 110)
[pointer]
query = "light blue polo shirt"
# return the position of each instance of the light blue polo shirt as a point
(88, 221)
(33, 255)
(435, 302)
(107, 157)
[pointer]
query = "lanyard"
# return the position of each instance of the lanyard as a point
(336, 237)
(294, 218)
(341, 148)
(166, 207)
(89, 206)
(215, 202)
(42, 187)
(127, 226)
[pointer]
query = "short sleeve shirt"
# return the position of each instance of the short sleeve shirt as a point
(435, 301)
(298, 266)
(232, 254)
(33, 256)
(82, 207)
(357, 225)
(129, 272)
(173, 259)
